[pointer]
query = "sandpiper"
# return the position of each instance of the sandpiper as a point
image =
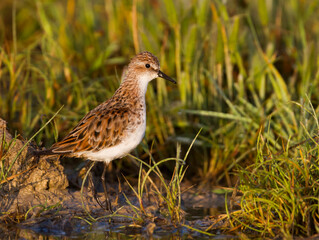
(115, 127)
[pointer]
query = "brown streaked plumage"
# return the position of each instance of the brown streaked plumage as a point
(117, 126)
(103, 127)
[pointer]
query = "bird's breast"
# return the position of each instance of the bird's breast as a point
(133, 137)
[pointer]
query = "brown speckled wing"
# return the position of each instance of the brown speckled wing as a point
(105, 126)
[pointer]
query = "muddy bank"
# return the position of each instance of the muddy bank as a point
(37, 195)
(63, 213)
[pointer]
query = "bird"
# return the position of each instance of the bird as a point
(117, 126)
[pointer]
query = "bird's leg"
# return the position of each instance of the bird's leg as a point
(94, 190)
(107, 200)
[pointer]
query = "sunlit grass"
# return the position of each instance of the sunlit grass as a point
(280, 190)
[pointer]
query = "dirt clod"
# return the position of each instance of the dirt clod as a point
(26, 175)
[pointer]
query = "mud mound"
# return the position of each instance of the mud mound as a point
(26, 177)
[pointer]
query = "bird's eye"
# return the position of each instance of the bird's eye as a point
(147, 65)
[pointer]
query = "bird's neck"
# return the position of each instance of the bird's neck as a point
(130, 91)
(133, 87)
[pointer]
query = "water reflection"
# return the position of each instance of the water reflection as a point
(68, 229)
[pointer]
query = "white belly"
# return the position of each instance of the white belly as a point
(120, 150)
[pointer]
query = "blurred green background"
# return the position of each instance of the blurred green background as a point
(243, 68)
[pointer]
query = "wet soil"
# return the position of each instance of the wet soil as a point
(41, 198)
(67, 218)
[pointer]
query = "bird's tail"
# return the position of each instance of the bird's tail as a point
(44, 152)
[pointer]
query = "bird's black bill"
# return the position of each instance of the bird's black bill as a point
(163, 75)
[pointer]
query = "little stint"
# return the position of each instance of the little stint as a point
(115, 127)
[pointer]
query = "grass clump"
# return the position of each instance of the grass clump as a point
(171, 193)
(280, 190)
(171, 196)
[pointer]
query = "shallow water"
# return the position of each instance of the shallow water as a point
(105, 229)
(198, 213)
